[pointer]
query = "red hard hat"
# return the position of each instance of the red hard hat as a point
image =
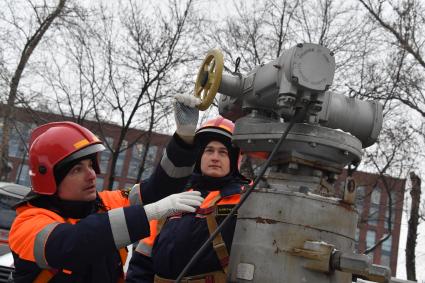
(55, 144)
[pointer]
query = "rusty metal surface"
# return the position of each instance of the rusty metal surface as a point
(280, 221)
(318, 255)
(349, 192)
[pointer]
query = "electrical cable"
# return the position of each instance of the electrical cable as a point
(296, 118)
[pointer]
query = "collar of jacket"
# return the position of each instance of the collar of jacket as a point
(204, 183)
(225, 191)
(67, 208)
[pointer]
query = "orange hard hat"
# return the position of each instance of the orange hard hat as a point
(55, 145)
(219, 125)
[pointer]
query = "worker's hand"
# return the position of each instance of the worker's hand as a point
(182, 202)
(186, 115)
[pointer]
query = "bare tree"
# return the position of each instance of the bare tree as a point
(155, 50)
(44, 16)
(402, 25)
(412, 232)
(122, 66)
(261, 31)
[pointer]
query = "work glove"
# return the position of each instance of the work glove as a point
(182, 202)
(186, 115)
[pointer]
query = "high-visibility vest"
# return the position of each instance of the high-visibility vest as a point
(28, 242)
(209, 209)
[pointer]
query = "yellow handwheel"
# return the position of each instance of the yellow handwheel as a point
(209, 78)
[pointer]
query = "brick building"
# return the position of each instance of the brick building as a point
(128, 162)
(372, 202)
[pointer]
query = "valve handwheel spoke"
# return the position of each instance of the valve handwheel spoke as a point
(209, 78)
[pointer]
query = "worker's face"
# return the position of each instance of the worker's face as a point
(80, 183)
(215, 160)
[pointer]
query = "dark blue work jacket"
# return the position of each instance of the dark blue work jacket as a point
(180, 238)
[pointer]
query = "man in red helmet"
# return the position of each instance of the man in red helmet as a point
(66, 231)
(161, 257)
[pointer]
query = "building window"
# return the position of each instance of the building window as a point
(23, 176)
(375, 197)
(387, 215)
(136, 160)
(393, 210)
(370, 238)
(105, 156)
(357, 234)
(99, 184)
(386, 246)
(15, 144)
(116, 185)
(150, 161)
(360, 197)
(18, 139)
(119, 165)
(356, 239)
(386, 251)
(373, 217)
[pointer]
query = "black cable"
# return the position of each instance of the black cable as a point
(298, 117)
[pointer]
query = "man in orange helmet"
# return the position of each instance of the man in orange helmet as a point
(66, 231)
(161, 257)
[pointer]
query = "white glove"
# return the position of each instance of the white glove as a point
(186, 115)
(186, 201)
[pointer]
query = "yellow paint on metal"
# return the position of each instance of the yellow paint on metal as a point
(211, 69)
(81, 143)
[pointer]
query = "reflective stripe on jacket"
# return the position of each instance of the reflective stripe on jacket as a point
(76, 249)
